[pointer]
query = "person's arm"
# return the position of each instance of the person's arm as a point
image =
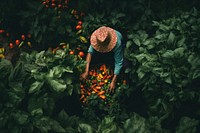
(118, 56)
(112, 85)
(88, 60)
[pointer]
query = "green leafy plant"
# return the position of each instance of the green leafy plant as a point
(39, 77)
(162, 49)
(162, 64)
(187, 124)
(43, 22)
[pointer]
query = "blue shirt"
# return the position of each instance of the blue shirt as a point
(118, 53)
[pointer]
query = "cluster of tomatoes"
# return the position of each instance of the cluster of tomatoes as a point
(60, 4)
(79, 25)
(80, 53)
(19, 41)
(78, 50)
(96, 87)
(78, 16)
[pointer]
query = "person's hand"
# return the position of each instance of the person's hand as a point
(111, 87)
(84, 76)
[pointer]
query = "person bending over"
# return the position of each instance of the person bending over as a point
(105, 47)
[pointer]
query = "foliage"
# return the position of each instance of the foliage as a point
(166, 65)
(94, 21)
(162, 51)
(127, 15)
(47, 25)
(31, 89)
(187, 125)
(57, 71)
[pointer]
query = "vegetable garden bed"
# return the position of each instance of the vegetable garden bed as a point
(43, 46)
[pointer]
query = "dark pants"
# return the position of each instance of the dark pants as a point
(102, 58)
(107, 59)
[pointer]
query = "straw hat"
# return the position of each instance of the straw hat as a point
(103, 39)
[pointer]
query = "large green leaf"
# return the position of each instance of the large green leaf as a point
(5, 68)
(40, 59)
(168, 54)
(57, 85)
(168, 79)
(36, 86)
(135, 124)
(171, 38)
(137, 41)
(63, 116)
(85, 128)
(187, 125)
(179, 52)
(56, 71)
(108, 125)
(43, 124)
(21, 118)
(18, 74)
(196, 74)
(36, 112)
(45, 103)
(163, 27)
(56, 127)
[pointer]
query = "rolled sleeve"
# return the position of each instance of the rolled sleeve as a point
(91, 50)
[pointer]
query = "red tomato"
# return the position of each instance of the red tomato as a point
(17, 42)
(23, 37)
(80, 22)
(2, 31)
(53, 5)
(81, 54)
(78, 27)
(11, 45)
(59, 5)
(71, 52)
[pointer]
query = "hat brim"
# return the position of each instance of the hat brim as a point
(105, 48)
